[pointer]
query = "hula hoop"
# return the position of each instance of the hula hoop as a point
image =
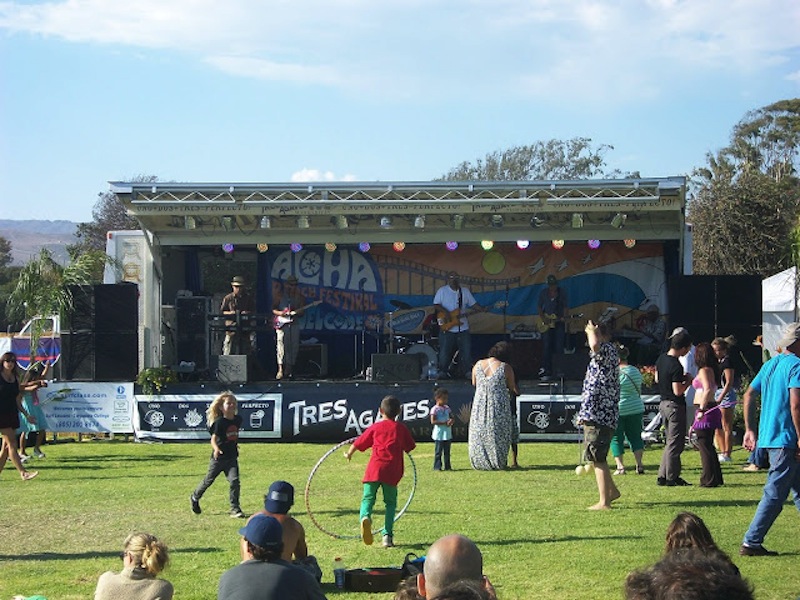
(307, 492)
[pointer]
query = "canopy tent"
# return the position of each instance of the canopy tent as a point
(779, 305)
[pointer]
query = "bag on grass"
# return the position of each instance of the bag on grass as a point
(412, 565)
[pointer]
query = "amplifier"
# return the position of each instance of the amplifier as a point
(312, 361)
(231, 368)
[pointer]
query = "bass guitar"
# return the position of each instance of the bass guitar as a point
(288, 315)
(447, 319)
(548, 321)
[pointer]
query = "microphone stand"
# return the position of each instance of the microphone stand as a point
(506, 333)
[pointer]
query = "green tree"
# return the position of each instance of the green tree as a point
(108, 214)
(543, 160)
(8, 277)
(43, 286)
(744, 213)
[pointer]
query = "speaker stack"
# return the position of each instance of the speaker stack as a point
(101, 342)
(193, 331)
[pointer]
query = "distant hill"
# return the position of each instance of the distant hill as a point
(29, 237)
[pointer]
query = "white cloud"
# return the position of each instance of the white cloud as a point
(317, 175)
(607, 49)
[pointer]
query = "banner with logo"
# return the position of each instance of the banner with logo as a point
(87, 407)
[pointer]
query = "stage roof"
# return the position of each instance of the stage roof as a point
(195, 214)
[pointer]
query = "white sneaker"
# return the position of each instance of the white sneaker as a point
(39, 454)
(23, 458)
(388, 541)
(725, 458)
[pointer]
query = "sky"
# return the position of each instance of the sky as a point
(93, 91)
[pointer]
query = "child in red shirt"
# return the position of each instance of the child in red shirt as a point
(389, 439)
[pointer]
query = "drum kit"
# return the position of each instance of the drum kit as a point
(427, 348)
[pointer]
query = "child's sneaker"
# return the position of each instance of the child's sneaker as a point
(195, 504)
(388, 542)
(366, 531)
(39, 454)
(236, 513)
(23, 458)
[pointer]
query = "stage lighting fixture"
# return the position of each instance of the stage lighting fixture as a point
(386, 222)
(190, 222)
(227, 248)
(266, 222)
(451, 245)
(419, 222)
(227, 223)
(363, 246)
(497, 221)
(523, 244)
(558, 244)
(295, 247)
(577, 220)
(330, 247)
(458, 221)
(399, 246)
(618, 221)
(487, 244)
(536, 221)
(340, 221)
(630, 243)
(262, 247)
(303, 222)
(593, 244)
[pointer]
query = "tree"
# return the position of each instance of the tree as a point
(109, 214)
(745, 211)
(8, 275)
(542, 160)
(43, 286)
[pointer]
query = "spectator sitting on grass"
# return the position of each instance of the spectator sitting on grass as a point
(451, 559)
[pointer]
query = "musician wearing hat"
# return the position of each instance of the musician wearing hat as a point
(553, 305)
(288, 306)
(238, 302)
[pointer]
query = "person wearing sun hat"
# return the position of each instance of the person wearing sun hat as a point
(778, 383)
(263, 574)
(238, 302)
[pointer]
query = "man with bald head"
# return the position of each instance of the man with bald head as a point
(450, 559)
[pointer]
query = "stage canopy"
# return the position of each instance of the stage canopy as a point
(191, 214)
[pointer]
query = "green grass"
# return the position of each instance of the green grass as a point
(63, 529)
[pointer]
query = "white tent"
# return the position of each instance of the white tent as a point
(779, 305)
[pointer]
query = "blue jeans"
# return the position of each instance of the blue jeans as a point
(552, 343)
(448, 342)
(783, 477)
(759, 457)
(441, 449)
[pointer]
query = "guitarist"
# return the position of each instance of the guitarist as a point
(453, 303)
(288, 303)
(553, 307)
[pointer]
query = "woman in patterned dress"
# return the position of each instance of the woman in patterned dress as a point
(490, 423)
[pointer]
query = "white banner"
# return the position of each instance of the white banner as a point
(73, 406)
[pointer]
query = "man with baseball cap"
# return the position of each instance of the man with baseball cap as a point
(263, 574)
(238, 302)
(277, 503)
(778, 383)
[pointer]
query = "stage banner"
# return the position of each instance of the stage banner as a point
(182, 417)
(543, 419)
(79, 407)
(381, 289)
(297, 412)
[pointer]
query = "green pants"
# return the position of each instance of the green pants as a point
(389, 498)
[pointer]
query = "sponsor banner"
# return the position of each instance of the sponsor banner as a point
(543, 419)
(87, 407)
(182, 417)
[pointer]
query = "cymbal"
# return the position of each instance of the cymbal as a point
(400, 304)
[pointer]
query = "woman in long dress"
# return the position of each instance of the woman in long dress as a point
(490, 423)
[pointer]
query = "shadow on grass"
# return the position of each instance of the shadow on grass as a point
(101, 458)
(89, 555)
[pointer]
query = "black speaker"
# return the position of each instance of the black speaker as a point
(395, 367)
(738, 299)
(571, 366)
(192, 336)
(312, 361)
(89, 356)
(105, 308)
(691, 300)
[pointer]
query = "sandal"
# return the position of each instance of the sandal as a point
(620, 471)
(28, 475)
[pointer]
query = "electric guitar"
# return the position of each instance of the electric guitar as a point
(288, 315)
(447, 319)
(548, 321)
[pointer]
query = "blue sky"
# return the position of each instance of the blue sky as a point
(265, 90)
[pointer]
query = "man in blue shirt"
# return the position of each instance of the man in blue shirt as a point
(778, 382)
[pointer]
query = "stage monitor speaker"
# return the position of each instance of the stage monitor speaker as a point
(312, 361)
(230, 368)
(691, 300)
(570, 366)
(395, 367)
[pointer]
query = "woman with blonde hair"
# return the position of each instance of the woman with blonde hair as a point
(224, 425)
(726, 396)
(143, 557)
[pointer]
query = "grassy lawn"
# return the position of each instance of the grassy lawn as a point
(63, 529)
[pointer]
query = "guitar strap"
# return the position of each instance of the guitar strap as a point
(460, 305)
